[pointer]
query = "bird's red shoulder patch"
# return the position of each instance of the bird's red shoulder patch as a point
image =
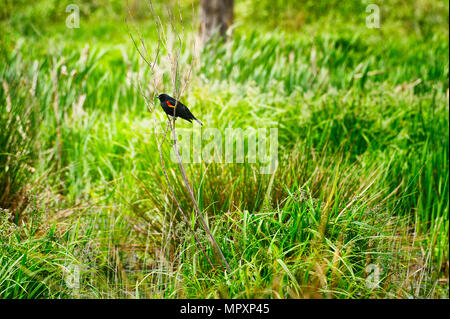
(170, 105)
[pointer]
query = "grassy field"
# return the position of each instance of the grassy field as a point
(362, 185)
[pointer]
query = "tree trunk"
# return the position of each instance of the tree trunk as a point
(215, 15)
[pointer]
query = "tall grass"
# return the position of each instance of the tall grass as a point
(362, 179)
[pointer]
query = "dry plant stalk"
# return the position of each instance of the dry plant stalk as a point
(173, 49)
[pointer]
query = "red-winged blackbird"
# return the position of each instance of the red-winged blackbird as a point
(168, 104)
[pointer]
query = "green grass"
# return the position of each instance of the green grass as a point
(363, 174)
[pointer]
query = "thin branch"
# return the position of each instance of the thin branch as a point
(173, 52)
(197, 210)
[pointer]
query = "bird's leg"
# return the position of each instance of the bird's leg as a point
(169, 123)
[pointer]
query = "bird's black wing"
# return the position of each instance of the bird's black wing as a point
(187, 113)
(181, 109)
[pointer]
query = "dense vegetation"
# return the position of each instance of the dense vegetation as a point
(362, 179)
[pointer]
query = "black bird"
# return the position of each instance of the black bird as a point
(169, 105)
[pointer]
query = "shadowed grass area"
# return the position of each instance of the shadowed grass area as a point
(362, 181)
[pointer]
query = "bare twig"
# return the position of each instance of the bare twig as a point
(194, 201)
(173, 49)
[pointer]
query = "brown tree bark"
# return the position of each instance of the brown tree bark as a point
(215, 15)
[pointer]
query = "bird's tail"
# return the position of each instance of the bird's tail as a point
(198, 121)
